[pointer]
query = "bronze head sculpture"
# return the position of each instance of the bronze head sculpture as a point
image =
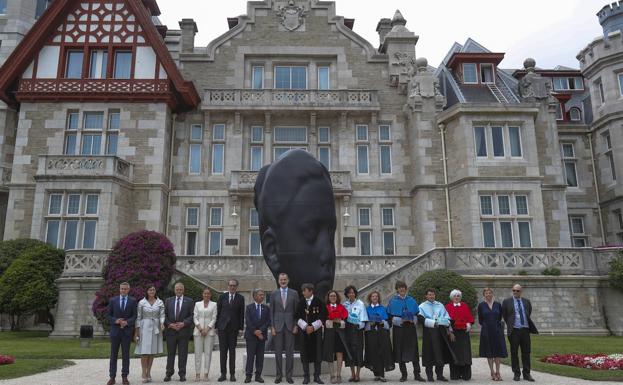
(296, 211)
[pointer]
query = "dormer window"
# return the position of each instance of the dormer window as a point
(73, 69)
(568, 83)
(470, 75)
(486, 73)
(99, 64)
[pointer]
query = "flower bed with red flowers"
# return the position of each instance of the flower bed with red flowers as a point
(588, 361)
(6, 360)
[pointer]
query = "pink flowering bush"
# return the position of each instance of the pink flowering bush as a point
(6, 360)
(142, 259)
(589, 361)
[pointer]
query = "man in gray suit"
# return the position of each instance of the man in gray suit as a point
(282, 308)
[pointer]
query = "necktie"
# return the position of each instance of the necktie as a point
(177, 308)
(230, 298)
(258, 309)
(123, 303)
(283, 297)
(520, 307)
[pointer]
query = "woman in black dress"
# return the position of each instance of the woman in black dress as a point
(334, 343)
(492, 344)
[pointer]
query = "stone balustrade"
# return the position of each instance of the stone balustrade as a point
(85, 263)
(84, 166)
(242, 182)
(267, 99)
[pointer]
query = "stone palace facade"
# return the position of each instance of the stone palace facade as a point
(111, 123)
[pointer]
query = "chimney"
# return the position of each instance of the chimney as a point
(383, 27)
(189, 30)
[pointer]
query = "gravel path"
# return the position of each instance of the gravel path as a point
(95, 372)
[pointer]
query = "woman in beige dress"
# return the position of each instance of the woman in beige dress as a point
(204, 317)
(148, 332)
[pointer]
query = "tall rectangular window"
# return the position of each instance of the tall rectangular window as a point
(521, 202)
(71, 133)
(194, 159)
(257, 134)
(196, 133)
(386, 159)
(99, 64)
(600, 92)
(294, 78)
(73, 204)
(569, 160)
(497, 136)
(71, 220)
(389, 245)
(470, 75)
(324, 135)
(73, 68)
(488, 235)
(578, 234)
(324, 156)
(486, 205)
(92, 133)
(609, 154)
(525, 239)
(216, 216)
(215, 234)
(92, 204)
(504, 205)
(255, 246)
(506, 231)
(257, 81)
(113, 132)
(218, 132)
(192, 216)
(88, 240)
(52, 232)
(365, 243)
(387, 214)
(214, 241)
(191, 243)
(218, 158)
(486, 73)
(618, 214)
(514, 136)
(71, 234)
(192, 223)
(323, 78)
(362, 133)
(364, 216)
(362, 160)
(256, 158)
(123, 65)
(385, 134)
(481, 141)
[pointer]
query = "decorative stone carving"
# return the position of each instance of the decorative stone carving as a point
(76, 164)
(532, 86)
(291, 16)
(403, 60)
(423, 85)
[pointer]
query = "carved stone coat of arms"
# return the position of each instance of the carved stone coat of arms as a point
(291, 16)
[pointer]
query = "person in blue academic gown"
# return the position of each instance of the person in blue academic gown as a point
(436, 351)
(378, 356)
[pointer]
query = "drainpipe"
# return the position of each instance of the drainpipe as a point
(170, 182)
(442, 131)
(597, 199)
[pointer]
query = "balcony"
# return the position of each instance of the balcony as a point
(242, 182)
(93, 89)
(84, 166)
(269, 99)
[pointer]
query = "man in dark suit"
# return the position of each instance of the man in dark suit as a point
(230, 323)
(516, 312)
(257, 319)
(283, 303)
(122, 317)
(178, 321)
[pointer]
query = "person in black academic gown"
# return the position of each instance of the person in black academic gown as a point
(311, 314)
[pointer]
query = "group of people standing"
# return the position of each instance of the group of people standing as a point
(338, 332)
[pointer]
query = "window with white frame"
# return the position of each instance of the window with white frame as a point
(257, 77)
(255, 245)
(363, 148)
(291, 77)
(192, 230)
(324, 147)
(218, 149)
(215, 230)
(112, 137)
(569, 159)
(389, 234)
(470, 74)
(486, 73)
(256, 148)
(93, 126)
(385, 149)
(195, 149)
(365, 231)
(579, 237)
(609, 154)
(90, 137)
(71, 132)
(99, 64)
(498, 141)
(71, 219)
(323, 78)
(505, 220)
(568, 83)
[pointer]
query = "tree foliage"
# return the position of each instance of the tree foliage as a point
(616, 272)
(444, 281)
(10, 250)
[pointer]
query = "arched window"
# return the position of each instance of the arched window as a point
(575, 114)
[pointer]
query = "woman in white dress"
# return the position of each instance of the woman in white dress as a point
(148, 332)
(204, 317)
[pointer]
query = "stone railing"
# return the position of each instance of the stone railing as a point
(283, 99)
(481, 261)
(93, 86)
(85, 263)
(242, 182)
(84, 166)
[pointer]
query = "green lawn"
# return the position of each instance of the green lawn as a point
(26, 367)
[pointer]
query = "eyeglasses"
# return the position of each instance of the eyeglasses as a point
(516, 291)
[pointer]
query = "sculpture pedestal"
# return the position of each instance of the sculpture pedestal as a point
(270, 367)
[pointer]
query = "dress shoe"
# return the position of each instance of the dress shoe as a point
(232, 378)
(167, 379)
(419, 377)
(289, 381)
(528, 377)
(442, 379)
(516, 377)
(259, 379)
(277, 380)
(382, 379)
(111, 382)
(182, 379)
(403, 378)
(222, 378)
(247, 379)
(317, 380)
(430, 378)
(124, 380)
(305, 380)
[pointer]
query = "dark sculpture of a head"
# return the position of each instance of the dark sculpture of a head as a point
(296, 210)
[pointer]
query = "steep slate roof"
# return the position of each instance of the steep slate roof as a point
(185, 93)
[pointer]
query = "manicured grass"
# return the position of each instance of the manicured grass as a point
(26, 367)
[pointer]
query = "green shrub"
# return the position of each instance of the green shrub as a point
(10, 250)
(551, 271)
(522, 272)
(616, 272)
(444, 281)
(28, 285)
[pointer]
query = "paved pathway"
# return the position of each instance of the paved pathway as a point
(95, 372)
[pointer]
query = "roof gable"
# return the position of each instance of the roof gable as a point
(77, 23)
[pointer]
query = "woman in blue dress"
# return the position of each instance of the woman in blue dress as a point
(492, 344)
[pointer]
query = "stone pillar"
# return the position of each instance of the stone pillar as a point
(189, 30)
(75, 298)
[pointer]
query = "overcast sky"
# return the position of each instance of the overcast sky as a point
(551, 31)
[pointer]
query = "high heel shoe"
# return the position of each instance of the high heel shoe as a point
(498, 376)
